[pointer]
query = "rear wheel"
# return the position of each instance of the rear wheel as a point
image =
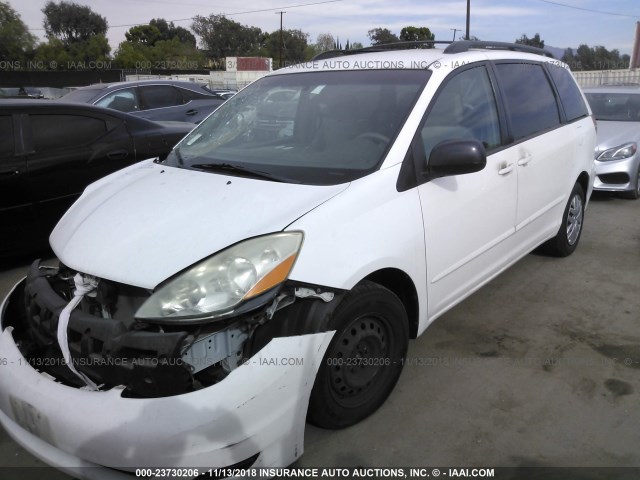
(567, 238)
(364, 359)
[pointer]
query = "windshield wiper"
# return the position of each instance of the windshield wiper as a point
(243, 171)
(178, 155)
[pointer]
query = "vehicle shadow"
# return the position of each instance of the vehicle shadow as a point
(598, 196)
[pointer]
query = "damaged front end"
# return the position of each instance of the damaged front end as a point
(111, 347)
(187, 334)
(230, 391)
(150, 359)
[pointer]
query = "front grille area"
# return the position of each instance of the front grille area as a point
(146, 359)
(614, 178)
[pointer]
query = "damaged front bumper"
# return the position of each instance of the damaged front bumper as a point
(253, 416)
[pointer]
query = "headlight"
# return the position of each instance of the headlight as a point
(618, 153)
(220, 283)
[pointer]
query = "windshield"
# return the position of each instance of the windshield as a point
(320, 128)
(616, 107)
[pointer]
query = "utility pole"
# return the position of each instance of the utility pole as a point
(468, 19)
(455, 30)
(281, 39)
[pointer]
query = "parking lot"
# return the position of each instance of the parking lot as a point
(539, 368)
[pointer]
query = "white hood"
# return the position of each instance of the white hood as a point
(144, 224)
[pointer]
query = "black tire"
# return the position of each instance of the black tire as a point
(364, 359)
(635, 193)
(566, 240)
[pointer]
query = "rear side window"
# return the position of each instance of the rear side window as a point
(191, 95)
(159, 96)
(572, 101)
(6, 135)
(65, 131)
(123, 100)
(529, 97)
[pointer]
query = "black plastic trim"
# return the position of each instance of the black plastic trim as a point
(453, 48)
(466, 45)
(384, 47)
(148, 363)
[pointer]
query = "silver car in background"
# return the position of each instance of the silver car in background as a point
(617, 111)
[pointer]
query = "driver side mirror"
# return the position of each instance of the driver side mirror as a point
(455, 157)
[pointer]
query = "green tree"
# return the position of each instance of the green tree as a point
(324, 42)
(568, 57)
(171, 54)
(132, 55)
(416, 34)
(94, 49)
(379, 36)
(75, 34)
(53, 52)
(70, 22)
(177, 53)
(356, 46)
(535, 41)
(15, 40)
(294, 46)
(144, 34)
(221, 37)
(595, 58)
(168, 31)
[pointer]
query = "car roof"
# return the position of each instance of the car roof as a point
(15, 103)
(136, 83)
(395, 57)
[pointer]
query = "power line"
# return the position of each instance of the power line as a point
(226, 14)
(590, 9)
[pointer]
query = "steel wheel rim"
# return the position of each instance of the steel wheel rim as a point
(359, 354)
(574, 219)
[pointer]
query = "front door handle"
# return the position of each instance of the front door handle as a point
(506, 168)
(10, 173)
(191, 112)
(524, 160)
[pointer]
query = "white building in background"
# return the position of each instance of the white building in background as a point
(239, 72)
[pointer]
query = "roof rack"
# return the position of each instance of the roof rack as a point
(453, 47)
(466, 45)
(383, 47)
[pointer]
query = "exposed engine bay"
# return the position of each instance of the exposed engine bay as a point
(111, 347)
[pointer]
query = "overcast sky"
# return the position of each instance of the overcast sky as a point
(612, 24)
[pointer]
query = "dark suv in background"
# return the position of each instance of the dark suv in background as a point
(153, 99)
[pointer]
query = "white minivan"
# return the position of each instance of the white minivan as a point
(274, 266)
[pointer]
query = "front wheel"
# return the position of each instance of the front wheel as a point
(567, 238)
(364, 359)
